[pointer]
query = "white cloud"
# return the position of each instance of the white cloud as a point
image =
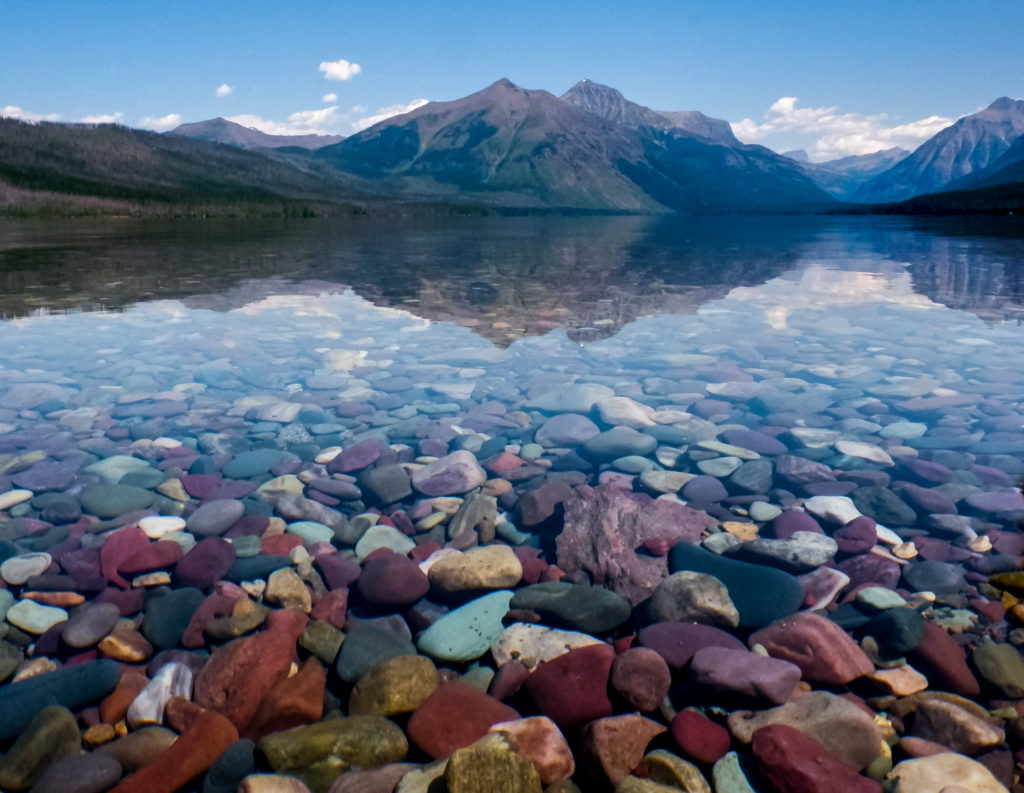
(839, 134)
(329, 98)
(160, 123)
(224, 89)
(103, 118)
(13, 111)
(340, 69)
(324, 121)
(386, 112)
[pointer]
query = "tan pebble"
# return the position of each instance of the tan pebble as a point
(157, 526)
(298, 554)
(127, 645)
(254, 589)
(159, 578)
(13, 497)
(271, 783)
(98, 734)
(328, 454)
(276, 526)
(1018, 612)
(496, 487)
(901, 681)
(34, 668)
(431, 520)
(121, 728)
(905, 550)
(62, 600)
(745, 531)
(244, 605)
(449, 505)
(174, 490)
(980, 544)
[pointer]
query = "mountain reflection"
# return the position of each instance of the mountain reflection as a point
(506, 278)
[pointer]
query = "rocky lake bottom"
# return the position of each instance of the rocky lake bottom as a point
(370, 521)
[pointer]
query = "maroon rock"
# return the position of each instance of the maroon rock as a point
(392, 581)
(796, 763)
(996, 501)
(508, 680)
(248, 526)
(754, 441)
(207, 563)
(700, 738)
(926, 500)
(119, 547)
(129, 601)
(822, 650)
(869, 568)
(540, 503)
(829, 488)
(201, 486)
(745, 674)
(614, 746)
(454, 716)
(677, 642)
(604, 526)
(572, 688)
(156, 556)
(939, 658)
(81, 564)
(793, 520)
(925, 471)
(857, 536)
(332, 607)
(216, 605)
(357, 457)
(801, 471)
(339, 572)
(641, 677)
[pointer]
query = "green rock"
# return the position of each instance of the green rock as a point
(367, 646)
(398, 685)
(728, 776)
(323, 640)
(317, 754)
(490, 764)
(110, 501)
(10, 659)
(51, 735)
(1001, 665)
(467, 632)
(879, 598)
(310, 531)
(222, 629)
(590, 609)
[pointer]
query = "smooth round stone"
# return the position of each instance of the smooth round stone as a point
(623, 411)
(246, 547)
(90, 623)
(754, 441)
(1001, 665)
(398, 685)
(215, 517)
(14, 497)
(693, 597)
(762, 511)
(252, 463)
(469, 631)
(385, 484)
(879, 598)
(87, 773)
(633, 464)
(704, 489)
(566, 429)
(367, 646)
(19, 569)
(898, 630)
(618, 442)
(392, 580)
(110, 501)
(664, 481)
(590, 609)
(678, 642)
(51, 735)
(207, 562)
(577, 398)
(33, 617)
(167, 615)
(310, 531)
(802, 549)
(377, 537)
(835, 509)
(883, 506)
(156, 526)
(114, 468)
(996, 501)
(904, 430)
(719, 467)
(866, 451)
(535, 644)
(941, 578)
(451, 475)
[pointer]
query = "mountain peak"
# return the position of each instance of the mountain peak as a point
(1003, 103)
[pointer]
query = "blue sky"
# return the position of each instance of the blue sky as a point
(832, 77)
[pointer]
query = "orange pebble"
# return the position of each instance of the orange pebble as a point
(116, 704)
(63, 600)
(98, 734)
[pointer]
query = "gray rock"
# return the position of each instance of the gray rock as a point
(693, 597)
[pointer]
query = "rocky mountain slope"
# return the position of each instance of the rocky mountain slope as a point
(220, 130)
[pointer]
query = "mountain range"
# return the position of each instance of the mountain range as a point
(510, 149)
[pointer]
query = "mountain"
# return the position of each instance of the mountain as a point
(1008, 169)
(106, 162)
(965, 147)
(512, 147)
(610, 104)
(220, 130)
(844, 176)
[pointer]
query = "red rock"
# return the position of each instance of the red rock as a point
(453, 717)
(919, 747)
(539, 504)
(114, 707)
(129, 601)
(188, 757)
(616, 745)
(201, 486)
(992, 609)
(500, 463)
(279, 544)
(156, 556)
(508, 680)
(392, 581)
(572, 688)
(119, 547)
(641, 677)
(939, 658)
(332, 607)
(294, 701)
(700, 738)
(823, 651)
(208, 561)
(180, 713)
(291, 622)
(339, 572)
(796, 763)
(422, 552)
(216, 605)
(539, 740)
(605, 525)
(241, 673)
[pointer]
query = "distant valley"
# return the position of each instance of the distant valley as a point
(503, 149)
